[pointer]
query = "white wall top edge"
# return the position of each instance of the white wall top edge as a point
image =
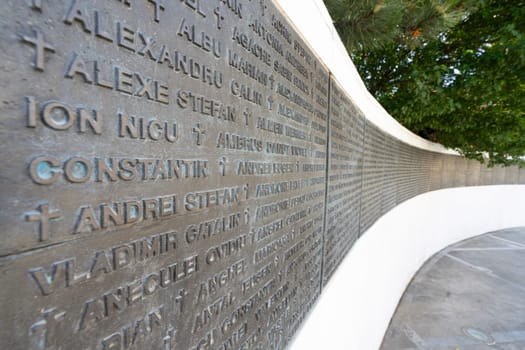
(311, 19)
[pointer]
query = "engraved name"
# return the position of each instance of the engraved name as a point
(131, 294)
(65, 273)
(62, 116)
(221, 279)
(47, 170)
(132, 40)
(124, 213)
(206, 106)
(212, 228)
(118, 78)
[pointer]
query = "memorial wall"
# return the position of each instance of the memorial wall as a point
(182, 175)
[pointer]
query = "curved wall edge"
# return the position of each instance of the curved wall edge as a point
(357, 304)
(325, 41)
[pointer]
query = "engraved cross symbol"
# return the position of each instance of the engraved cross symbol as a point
(246, 188)
(43, 217)
(222, 164)
(247, 216)
(281, 275)
(180, 298)
(271, 79)
(40, 47)
(50, 321)
(158, 8)
(199, 133)
(220, 17)
(270, 102)
(247, 116)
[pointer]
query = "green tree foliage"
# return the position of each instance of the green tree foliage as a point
(451, 71)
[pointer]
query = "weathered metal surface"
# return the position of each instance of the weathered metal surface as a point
(521, 177)
(460, 172)
(486, 176)
(449, 171)
(344, 179)
(392, 173)
(181, 175)
(407, 166)
(473, 173)
(436, 169)
(373, 176)
(165, 178)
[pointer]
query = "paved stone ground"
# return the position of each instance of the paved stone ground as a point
(470, 296)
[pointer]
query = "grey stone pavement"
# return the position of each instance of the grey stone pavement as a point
(470, 296)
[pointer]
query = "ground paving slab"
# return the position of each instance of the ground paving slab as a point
(470, 296)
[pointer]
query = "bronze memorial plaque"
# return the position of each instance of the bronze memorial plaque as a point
(344, 179)
(182, 175)
(164, 174)
(373, 176)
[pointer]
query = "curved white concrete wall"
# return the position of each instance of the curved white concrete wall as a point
(354, 309)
